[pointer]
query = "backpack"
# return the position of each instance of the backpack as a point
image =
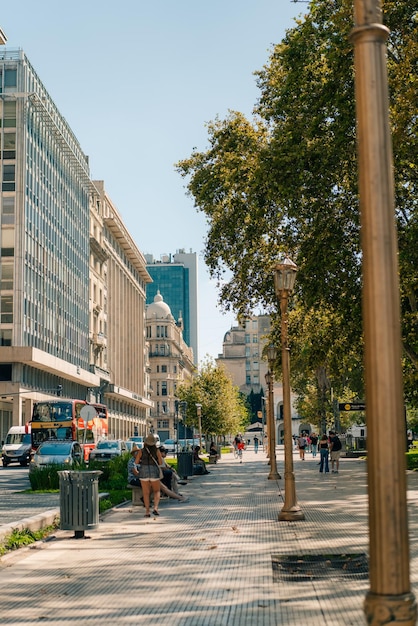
(336, 444)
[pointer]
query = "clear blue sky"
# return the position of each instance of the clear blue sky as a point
(137, 82)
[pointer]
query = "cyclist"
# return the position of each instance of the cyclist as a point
(241, 447)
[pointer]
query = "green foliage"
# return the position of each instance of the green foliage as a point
(224, 409)
(412, 460)
(286, 182)
(24, 537)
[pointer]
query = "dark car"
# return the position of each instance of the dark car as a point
(108, 449)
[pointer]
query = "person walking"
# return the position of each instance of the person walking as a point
(335, 448)
(256, 442)
(302, 446)
(149, 473)
(324, 452)
(314, 444)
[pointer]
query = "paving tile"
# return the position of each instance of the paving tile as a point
(207, 562)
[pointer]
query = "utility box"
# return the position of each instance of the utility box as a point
(79, 501)
(185, 464)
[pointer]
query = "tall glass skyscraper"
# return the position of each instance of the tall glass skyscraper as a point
(175, 277)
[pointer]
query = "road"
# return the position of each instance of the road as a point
(14, 503)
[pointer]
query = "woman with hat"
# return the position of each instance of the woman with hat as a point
(149, 473)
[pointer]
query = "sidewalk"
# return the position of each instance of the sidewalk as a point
(208, 562)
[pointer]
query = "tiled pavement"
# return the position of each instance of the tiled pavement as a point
(207, 562)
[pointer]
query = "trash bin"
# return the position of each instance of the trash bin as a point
(185, 464)
(79, 501)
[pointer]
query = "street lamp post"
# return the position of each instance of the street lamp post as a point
(271, 356)
(199, 417)
(284, 280)
(390, 599)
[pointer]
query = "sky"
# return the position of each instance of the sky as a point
(138, 82)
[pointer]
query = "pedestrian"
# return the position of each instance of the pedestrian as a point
(149, 473)
(256, 442)
(302, 446)
(314, 444)
(324, 452)
(198, 461)
(335, 448)
(133, 470)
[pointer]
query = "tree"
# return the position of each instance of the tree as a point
(286, 182)
(224, 409)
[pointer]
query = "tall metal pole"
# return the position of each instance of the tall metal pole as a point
(291, 510)
(273, 475)
(199, 417)
(390, 599)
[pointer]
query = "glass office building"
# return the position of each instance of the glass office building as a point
(44, 264)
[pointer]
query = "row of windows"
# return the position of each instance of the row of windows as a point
(255, 380)
(248, 338)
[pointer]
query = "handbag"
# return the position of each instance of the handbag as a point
(160, 469)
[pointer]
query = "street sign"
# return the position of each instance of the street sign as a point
(352, 406)
(88, 413)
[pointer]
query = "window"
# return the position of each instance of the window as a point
(8, 183)
(164, 407)
(6, 276)
(163, 388)
(8, 212)
(5, 337)
(6, 309)
(256, 365)
(10, 78)
(247, 338)
(247, 351)
(9, 113)
(164, 369)
(9, 146)
(248, 379)
(255, 338)
(7, 242)
(248, 365)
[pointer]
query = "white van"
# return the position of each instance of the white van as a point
(17, 447)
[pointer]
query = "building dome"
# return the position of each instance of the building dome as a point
(158, 309)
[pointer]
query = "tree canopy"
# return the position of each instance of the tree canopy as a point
(224, 409)
(285, 181)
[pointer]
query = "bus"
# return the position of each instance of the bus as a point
(61, 419)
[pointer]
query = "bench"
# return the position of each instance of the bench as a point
(136, 495)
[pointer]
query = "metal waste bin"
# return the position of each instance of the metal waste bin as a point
(79, 501)
(185, 464)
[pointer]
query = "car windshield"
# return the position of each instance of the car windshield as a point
(49, 449)
(107, 445)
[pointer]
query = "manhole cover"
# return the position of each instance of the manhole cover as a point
(312, 566)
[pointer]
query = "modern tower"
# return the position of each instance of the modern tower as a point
(175, 277)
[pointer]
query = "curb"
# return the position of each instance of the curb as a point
(31, 523)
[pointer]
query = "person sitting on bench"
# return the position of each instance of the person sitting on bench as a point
(133, 473)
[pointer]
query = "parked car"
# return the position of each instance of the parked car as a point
(170, 445)
(17, 447)
(108, 449)
(138, 440)
(66, 453)
(189, 444)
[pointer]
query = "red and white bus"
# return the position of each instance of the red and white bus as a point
(61, 419)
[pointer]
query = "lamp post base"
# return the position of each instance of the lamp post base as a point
(385, 609)
(274, 476)
(293, 514)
